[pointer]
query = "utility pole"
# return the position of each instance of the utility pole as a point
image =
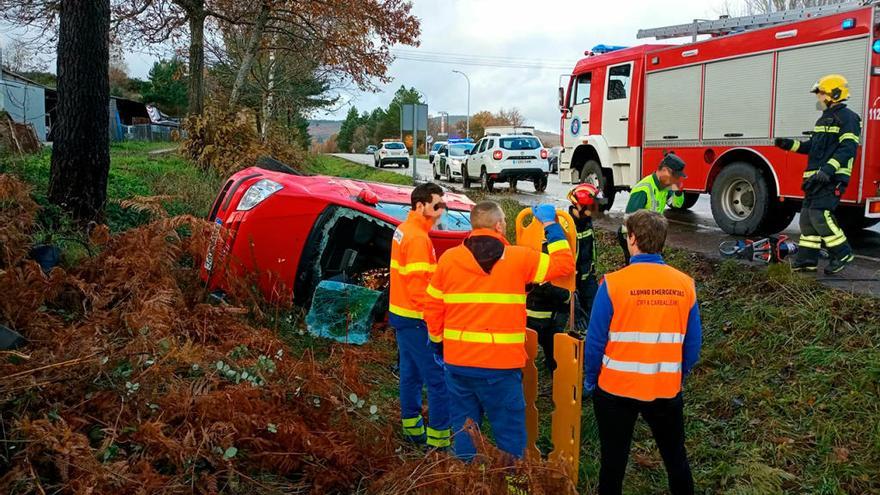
(468, 121)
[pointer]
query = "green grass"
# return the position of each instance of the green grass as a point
(133, 172)
(340, 167)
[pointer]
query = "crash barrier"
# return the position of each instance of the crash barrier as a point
(568, 351)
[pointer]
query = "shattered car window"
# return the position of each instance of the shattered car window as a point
(452, 220)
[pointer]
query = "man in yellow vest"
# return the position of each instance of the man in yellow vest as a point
(643, 339)
(652, 193)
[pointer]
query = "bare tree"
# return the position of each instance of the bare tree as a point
(21, 56)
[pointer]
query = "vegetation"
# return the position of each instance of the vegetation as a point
(151, 388)
(359, 131)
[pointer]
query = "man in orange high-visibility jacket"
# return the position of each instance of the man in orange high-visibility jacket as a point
(643, 339)
(412, 263)
(477, 321)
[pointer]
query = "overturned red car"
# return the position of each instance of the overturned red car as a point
(285, 231)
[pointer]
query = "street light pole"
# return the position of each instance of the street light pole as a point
(468, 121)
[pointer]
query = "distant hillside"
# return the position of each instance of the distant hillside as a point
(548, 139)
(321, 130)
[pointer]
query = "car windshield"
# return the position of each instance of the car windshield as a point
(452, 220)
(520, 143)
(459, 149)
(436, 146)
(394, 146)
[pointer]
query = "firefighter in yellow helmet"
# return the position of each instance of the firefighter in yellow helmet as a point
(831, 150)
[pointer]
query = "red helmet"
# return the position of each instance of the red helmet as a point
(585, 195)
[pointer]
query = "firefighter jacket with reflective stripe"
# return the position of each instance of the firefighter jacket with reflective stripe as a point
(831, 148)
(412, 263)
(477, 304)
(644, 332)
(647, 194)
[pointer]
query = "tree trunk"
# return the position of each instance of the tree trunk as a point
(269, 108)
(250, 53)
(81, 147)
(197, 59)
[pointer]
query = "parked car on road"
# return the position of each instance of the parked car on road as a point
(371, 149)
(450, 158)
(286, 231)
(436, 147)
(391, 152)
(509, 157)
(553, 159)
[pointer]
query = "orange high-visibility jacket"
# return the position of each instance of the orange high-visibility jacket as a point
(480, 317)
(412, 263)
(643, 357)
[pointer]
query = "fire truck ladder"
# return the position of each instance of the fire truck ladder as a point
(727, 25)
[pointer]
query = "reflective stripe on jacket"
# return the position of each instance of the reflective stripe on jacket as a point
(657, 197)
(412, 263)
(481, 317)
(643, 355)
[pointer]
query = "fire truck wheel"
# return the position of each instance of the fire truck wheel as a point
(690, 199)
(778, 218)
(740, 199)
(591, 173)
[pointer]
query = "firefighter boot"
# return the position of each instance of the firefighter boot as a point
(838, 264)
(802, 265)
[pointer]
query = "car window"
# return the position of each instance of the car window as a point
(451, 220)
(394, 146)
(491, 144)
(436, 146)
(459, 149)
(442, 149)
(520, 143)
(483, 145)
(582, 89)
(618, 82)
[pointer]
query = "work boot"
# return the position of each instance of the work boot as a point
(803, 266)
(838, 264)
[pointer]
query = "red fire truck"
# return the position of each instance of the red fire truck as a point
(719, 103)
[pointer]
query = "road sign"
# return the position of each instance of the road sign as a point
(406, 117)
(414, 117)
(429, 139)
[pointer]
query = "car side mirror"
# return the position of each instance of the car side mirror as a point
(562, 100)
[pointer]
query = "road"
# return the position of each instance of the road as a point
(694, 230)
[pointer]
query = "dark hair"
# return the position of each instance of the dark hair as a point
(486, 214)
(649, 229)
(423, 193)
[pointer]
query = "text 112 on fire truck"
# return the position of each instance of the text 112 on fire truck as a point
(719, 103)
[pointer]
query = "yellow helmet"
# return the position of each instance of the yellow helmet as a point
(834, 86)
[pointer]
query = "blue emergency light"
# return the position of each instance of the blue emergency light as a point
(460, 140)
(876, 46)
(848, 23)
(607, 48)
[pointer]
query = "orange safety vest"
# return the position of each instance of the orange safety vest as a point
(643, 357)
(480, 317)
(412, 263)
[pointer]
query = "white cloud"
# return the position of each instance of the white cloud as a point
(548, 31)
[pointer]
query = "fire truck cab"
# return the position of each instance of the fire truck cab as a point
(719, 104)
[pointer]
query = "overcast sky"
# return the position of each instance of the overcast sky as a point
(549, 32)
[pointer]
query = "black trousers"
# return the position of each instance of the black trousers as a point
(616, 417)
(621, 239)
(547, 328)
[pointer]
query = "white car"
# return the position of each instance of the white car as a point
(449, 160)
(391, 152)
(434, 150)
(507, 158)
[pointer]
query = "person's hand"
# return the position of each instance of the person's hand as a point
(545, 213)
(784, 143)
(821, 177)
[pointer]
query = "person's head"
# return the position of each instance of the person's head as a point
(646, 232)
(427, 200)
(585, 198)
(670, 171)
(488, 215)
(830, 90)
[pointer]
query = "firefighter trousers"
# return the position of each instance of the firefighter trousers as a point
(819, 226)
(418, 369)
(499, 395)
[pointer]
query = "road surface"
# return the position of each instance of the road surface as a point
(694, 230)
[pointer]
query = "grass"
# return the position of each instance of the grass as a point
(340, 167)
(786, 398)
